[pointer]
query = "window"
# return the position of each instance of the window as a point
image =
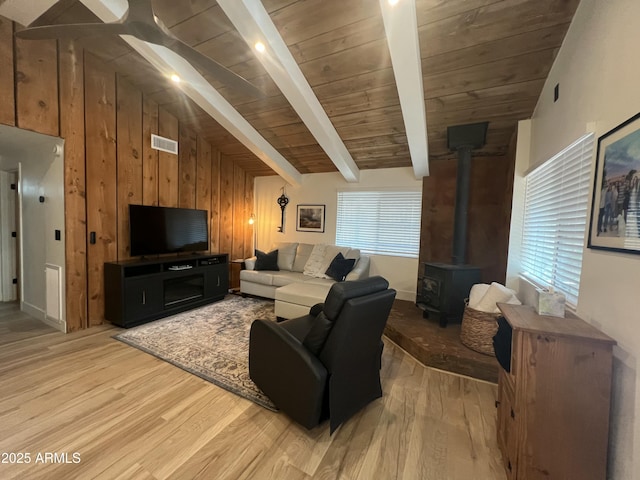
(555, 218)
(384, 222)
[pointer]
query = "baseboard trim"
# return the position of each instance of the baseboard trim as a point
(405, 295)
(57, 324)
(35, 312)
(41, 315)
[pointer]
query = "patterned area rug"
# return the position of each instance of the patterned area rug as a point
(211, 342)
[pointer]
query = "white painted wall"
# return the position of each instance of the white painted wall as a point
(41, 169)
(599, 78)
(322, 188)
(523, 149)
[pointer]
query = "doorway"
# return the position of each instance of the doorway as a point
(9, 243)
(32, 206)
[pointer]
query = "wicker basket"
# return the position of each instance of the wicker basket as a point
(478, 329)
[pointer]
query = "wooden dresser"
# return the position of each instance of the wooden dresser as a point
(553, 405)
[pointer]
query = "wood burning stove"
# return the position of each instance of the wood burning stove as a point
(444, 287)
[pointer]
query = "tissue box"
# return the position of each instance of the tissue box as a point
(550, 303)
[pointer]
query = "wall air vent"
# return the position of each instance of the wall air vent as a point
(164, 144)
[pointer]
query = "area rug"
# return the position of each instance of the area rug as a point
(211, 342)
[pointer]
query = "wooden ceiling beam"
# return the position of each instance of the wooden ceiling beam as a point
(401, 27)
(255, 25)
(25, 13)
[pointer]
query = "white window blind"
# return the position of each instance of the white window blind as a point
(380, 222)
(555, 218)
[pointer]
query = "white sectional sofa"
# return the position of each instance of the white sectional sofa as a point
(301, 281)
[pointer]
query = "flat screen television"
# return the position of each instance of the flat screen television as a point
(157, 230)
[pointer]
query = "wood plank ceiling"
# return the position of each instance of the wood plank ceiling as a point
(482, 60)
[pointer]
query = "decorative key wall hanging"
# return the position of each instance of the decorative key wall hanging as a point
(283, 200)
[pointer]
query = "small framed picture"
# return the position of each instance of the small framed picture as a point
(615, 214)
(310, 218)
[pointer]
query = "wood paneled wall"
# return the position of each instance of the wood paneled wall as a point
(490, 195)
(59, 89)
(102, 178)
(72, 129)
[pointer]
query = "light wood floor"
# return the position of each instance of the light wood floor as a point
(131, 416)
(16, 325)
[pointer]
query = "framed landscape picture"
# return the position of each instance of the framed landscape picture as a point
(310, 218)
(615, 213)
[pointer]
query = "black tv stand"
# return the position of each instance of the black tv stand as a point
(139, 291)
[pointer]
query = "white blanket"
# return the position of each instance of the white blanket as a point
(496, 293)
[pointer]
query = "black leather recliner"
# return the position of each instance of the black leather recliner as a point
(325, 364)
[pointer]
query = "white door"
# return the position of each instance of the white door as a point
(8, 237)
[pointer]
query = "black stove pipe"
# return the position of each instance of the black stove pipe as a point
(462, 205)
(463, 139)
